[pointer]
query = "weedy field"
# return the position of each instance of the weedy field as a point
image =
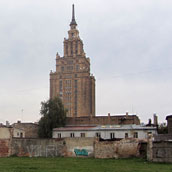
(16, 164)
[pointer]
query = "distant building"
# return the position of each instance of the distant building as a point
(121, 119)
(169, 123)
(11, 132)
(105, 131)
(72, 80)
(30, 129)
(75, 85)
(159, 148)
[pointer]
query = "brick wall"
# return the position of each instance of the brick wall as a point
(117, 149)
(104, 120)
(69, 147)
(77, 147)
(37, 147)
(162, 137)
(159, 148)
(162, 151)
(4, 147)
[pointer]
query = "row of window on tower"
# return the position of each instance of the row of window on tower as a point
(72, 48)
(68, 86)
(67, 99)
(71, 68)
(76, 96)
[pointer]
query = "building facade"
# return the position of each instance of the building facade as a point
(30, 129)
(11, 132)
(122, 119)
(105, 131)
(72, 80)
(169, 123)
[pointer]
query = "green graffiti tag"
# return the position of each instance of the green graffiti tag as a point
(81, 152)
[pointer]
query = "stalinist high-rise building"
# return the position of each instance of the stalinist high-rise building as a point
(72, 80)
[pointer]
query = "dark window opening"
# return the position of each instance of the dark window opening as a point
(126, 135)
(82, 134)
(98, 135)
(72, 134)
(135, 134)
(59, 135)
(21, 135)
(112, 135)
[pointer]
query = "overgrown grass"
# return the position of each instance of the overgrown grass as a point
(15, 164)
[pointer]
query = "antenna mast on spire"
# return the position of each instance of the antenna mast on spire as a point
(73, 12)
(73, 22)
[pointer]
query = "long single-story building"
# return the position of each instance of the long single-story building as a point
(105, 131)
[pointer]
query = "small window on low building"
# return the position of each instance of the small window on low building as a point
(72, 134)
(21, 135)
(112, 135)
(98, 135)
(18, 134)
(82, 134)
(59, 135)
(126, 135)
(135, 134)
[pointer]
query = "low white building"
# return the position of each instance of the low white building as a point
(105, 131)
(10, 132)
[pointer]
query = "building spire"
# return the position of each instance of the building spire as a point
(73, 22)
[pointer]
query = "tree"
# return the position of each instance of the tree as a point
(162, 128)
(53, 116)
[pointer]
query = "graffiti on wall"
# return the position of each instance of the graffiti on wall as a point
(81, 152)
(38, 150)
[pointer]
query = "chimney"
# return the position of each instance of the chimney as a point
(149, 122)
(7, 124)
(127, 113)
(155, 119)
(109, 118)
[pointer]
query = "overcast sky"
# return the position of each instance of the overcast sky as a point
(129, 43)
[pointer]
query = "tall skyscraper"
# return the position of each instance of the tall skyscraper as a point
(72, 80)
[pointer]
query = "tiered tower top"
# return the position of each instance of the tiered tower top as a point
(73, 46)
